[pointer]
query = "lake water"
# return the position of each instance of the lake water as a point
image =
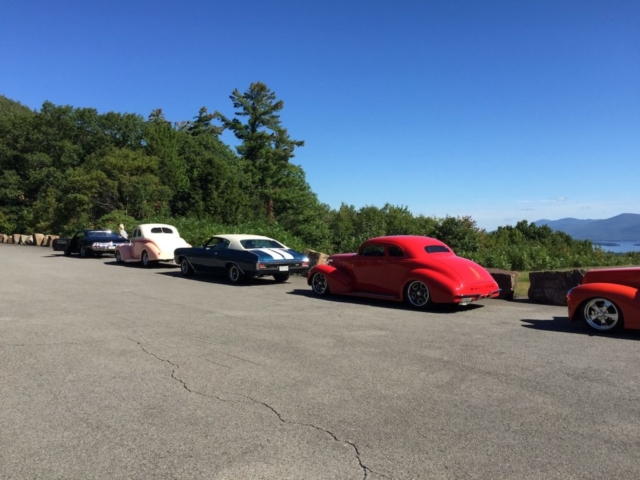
(621, 247)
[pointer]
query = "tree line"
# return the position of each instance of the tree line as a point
(64, 168)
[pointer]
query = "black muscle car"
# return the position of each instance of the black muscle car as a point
(242, 256)
(87, 243)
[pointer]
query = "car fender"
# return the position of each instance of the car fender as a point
(441, 287)
(178, 256)
(126, 252)
(228, 263)
(152, 249)
(339, 282)
(627, 298)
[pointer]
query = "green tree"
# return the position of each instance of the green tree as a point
(461, 234)
(265, 144)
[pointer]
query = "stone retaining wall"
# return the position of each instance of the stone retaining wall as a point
(551, 287)
(507, 281)
(36, 239)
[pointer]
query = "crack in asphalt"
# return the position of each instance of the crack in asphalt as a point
(365, 470)
(173, 373)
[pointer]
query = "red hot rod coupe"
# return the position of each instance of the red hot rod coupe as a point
(418, 270)
(608, 299)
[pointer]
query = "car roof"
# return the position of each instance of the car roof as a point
(235, 238)
(413, 243)
(145, 229)
(408, 240)
(153, 225)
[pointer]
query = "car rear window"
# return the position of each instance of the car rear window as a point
(161, 230)
(436, 249)
(104, 236)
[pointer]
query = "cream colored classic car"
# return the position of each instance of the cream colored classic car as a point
(151, 243)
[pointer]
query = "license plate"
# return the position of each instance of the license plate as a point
(284, 269)
(466, 300)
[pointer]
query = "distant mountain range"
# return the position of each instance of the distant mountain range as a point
(621, 228)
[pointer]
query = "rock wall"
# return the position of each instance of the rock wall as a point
(316, 258)
(37, 239)
(507, 281)
(552, 287)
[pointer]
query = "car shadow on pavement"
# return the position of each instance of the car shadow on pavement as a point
(563, 325)
(374, 302)
(153, 266)
(221, 280)
(74, 257)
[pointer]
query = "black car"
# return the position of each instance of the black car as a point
(242, 256)
(87, 243)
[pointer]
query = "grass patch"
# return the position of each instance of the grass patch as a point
(522, 287)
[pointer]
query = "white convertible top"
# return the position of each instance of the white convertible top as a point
(235, 238)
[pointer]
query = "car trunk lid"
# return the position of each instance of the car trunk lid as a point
(620, 276)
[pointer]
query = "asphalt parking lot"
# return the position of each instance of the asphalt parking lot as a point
(111, 371)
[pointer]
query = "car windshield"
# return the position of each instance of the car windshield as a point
(260, 243)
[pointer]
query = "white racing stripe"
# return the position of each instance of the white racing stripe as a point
(282, 252)
(271, 253)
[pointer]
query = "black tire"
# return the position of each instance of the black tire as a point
(144, 259)
(601, 315)
(118, 257)
(234, 274)
(67, 252)
(84, 252)
(417, 295)
(185, 267)
(281, 277)
(319, 284)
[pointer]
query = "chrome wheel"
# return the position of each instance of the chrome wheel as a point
(418, 294)
(234, 274)
(319, 284)
(602, 315)
(118, 257)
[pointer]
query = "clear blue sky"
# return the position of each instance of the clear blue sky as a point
(501, 110)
